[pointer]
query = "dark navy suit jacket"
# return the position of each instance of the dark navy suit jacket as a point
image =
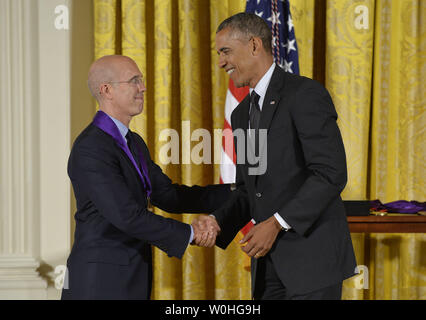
(111, 256)
(305, 174)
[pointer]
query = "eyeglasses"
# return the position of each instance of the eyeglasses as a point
(136, 81)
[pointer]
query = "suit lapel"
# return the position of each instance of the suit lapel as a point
(270, 105)
(272, 98)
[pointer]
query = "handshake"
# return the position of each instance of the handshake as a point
(256, 242)
(206, 230)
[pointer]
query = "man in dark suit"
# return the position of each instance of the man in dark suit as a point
(300, 243)
(114, 179)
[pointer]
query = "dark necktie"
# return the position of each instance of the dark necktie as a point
(255, 118)
(254, 110)
(136, 156)
(132, 147)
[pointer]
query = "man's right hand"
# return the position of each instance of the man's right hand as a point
(205, 231)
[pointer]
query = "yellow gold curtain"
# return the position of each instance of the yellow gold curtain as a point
(375, 76)
(349, 56)
(375, 71)
(398, 151)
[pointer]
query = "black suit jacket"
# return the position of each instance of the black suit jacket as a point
(111, 255)
(305, 174)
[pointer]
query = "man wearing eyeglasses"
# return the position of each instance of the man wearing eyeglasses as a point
(114, 179)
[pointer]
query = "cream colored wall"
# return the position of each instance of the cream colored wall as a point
(44, 104)
(54, 86)
(20, 152)
(78, 55)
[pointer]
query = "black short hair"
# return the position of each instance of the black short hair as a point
(250, 25)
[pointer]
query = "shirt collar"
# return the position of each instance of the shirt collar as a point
(263, 84)
(121, 127)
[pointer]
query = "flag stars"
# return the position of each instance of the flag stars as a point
(290, 23)
(290, 45)
(275, 18)
(287, 66)
(259, 14)
(278, 17)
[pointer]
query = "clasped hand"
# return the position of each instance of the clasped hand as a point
(206, 230)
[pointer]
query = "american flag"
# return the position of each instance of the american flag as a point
(277, 14)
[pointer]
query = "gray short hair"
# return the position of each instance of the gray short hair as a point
(249, 25)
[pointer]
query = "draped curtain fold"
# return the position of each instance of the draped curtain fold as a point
(376, 79)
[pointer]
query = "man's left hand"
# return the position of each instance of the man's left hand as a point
(261, 238)
(205, 231)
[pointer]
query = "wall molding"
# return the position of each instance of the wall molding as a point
(19, 144)
(34, 148)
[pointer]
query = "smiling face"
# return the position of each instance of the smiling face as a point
(236, 57)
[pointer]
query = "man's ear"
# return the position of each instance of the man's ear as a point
(257, 45)
(105, 91)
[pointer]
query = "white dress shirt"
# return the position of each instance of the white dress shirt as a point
(260, 89)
